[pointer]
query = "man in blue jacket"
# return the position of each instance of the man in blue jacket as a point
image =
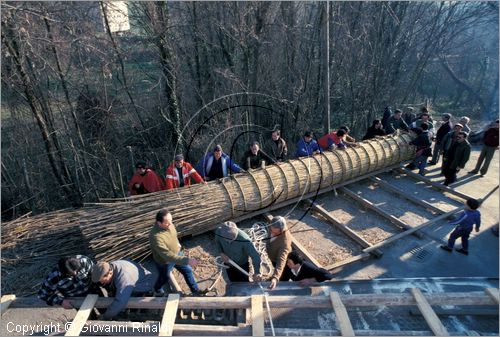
(307, 146)
(216, 165)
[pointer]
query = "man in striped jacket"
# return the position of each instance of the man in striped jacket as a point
(180, 172)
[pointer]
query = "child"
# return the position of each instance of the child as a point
(465, 224)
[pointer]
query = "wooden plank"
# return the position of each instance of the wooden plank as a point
(460, 312)
(414, 229)
(169, 315)
(493, 293)
(341, 316)
(173, 283)
(429, 315)
(6, 302)
(368, 204)
(257, 316)
(356, 258)
(82, 315)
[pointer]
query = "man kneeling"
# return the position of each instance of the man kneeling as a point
(302, 271)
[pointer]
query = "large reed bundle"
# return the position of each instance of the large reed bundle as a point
(120, 229)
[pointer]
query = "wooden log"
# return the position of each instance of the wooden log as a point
(343, 228)
(6, 301)
(493, 293)
(82, 315)
(341, 316)
(169, 315)
(429, 315)
(360, 257)
(257, 316)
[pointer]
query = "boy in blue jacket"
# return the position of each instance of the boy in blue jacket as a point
(307, 146)
(470, 217)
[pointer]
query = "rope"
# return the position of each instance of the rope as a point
(258, 234)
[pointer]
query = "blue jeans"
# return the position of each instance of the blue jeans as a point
(186, 271)
(420, 162)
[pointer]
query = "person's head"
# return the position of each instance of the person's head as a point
(102, 273)
(410, 109)
(294, 261)
(495, 124)
(228, 230)
(179, 160)
(255, 147)
(164, 218)
(69, 266)
(140, 167)
(446, 117)
(308, 136)
(472, 203)
(457, 128)
(341, 133)
(424, 126)
(397, 113)
(345, 128)
(377, 124)
(275, 135)
(464, 120)
(277, 226)
(424, 110)
(425, 117)
(218, 151)
(462, 136)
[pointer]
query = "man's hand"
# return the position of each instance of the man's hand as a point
(274, 282)
(257, 277)
(193, 262)
(317, 152)
(66, 304)
(307, 282)
(224, 258)
(477, 229)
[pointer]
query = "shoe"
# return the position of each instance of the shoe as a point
(410, 166)
(159, 293)
(432, 163)
(448, 249)
(462, 251)
(473, 172)
(200, 292)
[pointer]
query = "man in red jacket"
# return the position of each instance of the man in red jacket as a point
(488, 150)
(144, 181)
(179, 173)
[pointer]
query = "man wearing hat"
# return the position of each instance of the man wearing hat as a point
(441, 133)
(180, 172)
(217, 165)
(123, 278)
(307, 146)
(278, 247)
(235, 244)
(145, 180)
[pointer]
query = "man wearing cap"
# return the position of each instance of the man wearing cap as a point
(441, 133)
(307, 146)
(216, 165)
(145, 180)
(124, 278)
(278, 247)
(180, 172)
(464, 120)
(167, 254)
(235, 244)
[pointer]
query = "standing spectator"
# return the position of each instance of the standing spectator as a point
(450, 139)
(235, 244)
(395, 122)
(216, 165)
(458, 155)
(333, 140)
(70, 278)
(466, 221)
(375, 130)
(307, 146)
(254, 158)
(440, 135)
(180, 172)
(409, 115)
(167, 253)
(385, 117)
(278, 247)
(424, 118)
(145, 180)
(276, 147)
(423, 149)
(490, 144)
(464, 120)
(303, 272)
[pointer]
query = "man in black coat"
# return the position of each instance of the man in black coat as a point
(440, 134)
(304, 272)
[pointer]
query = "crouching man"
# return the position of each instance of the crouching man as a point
(302, 271)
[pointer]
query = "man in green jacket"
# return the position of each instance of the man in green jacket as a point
(395, 122)
(235, 244)
(458, 155)
(167, 253)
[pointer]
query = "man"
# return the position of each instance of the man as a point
(458, 155)
(409, 115)
(302, 271)
(235, 244)
(450, 139)
(277, 147)
(395, 122)
(440, 135)
(348, 140)
(423, 148)
(464, 120)
(216, 165)
(144, 181)
(278, 247)
(180, 172)
(385, 117)
(124, 279)
(333, 140)
(490, 144)
(167, 254)
(375, 130)
(307, 146)
(424, 118)
(70, 278)
(255, 158)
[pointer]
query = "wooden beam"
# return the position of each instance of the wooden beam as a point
(257, 316)
(460, 312)
(174, 285)
(6, 302)
(429, 315)
(82, 315)
(360, 257)
(169, 315)
(341, 316)
(414, 229)
(343, 228)
(493, 293)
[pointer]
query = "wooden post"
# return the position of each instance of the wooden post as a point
(6, 301)
(82, 315)
(493, 293)
(169, 315)
(429, 315)
(341, 316)
(257, 316)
